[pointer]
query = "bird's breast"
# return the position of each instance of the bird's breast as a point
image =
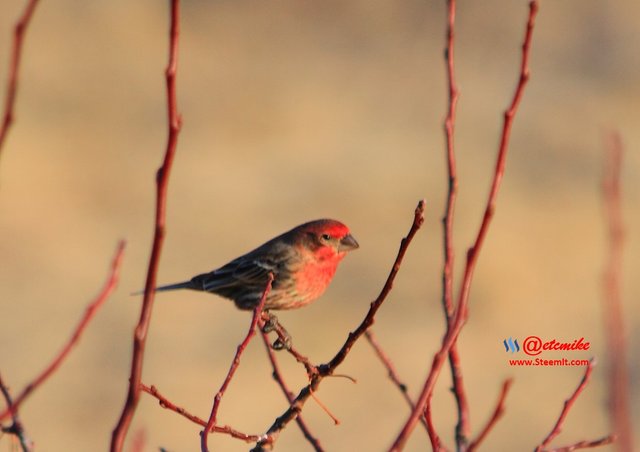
(313, 278)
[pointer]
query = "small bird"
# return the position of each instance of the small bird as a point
(302, 260)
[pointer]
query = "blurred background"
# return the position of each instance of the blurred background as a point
(294, 111)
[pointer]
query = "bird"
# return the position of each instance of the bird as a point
(302, 260)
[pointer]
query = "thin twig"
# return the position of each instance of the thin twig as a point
(418, 220)
(618, 381)
(279, 378)
(497, 414)
(462, 427)
(14, 69)
(167, 404)
(460, 395)
(436, 443)
(257, 313)
(162, 180)
(327, 369)
(385, 359)
(325, 408)
(90, 312)
(449, 128)
(16, 428)
(460, 315)
(584, 444)
(568, 404)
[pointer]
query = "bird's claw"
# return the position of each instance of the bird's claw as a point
(282, 344)
(271, 323)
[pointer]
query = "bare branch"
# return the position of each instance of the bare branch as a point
(497, 414)
(90, 312)
(16, 428)
(620, 412)
(436, 444)
(257, 313)
(449, 128)
(14, 69)
(162, 180)
(167, 404)
(460, 314)
(369, 319)
(568, 404)
(391, 371)
(585, 444)
(279, 378)
(462, 427)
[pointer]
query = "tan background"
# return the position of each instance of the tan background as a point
(294, 111)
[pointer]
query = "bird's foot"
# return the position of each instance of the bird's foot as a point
(282, 344)
(271, 323)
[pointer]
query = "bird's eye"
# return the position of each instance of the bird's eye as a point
(325, 237)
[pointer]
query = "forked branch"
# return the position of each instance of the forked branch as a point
(167, 404)
(16, 428)
(327, 369)
(568, 404)
(462, 427)
(279, 378)
(257, 313)
(92, 309)
(460, 314)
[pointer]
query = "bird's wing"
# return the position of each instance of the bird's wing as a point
(255, 271)
(241, 272)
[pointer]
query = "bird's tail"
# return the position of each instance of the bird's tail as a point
(180, 285)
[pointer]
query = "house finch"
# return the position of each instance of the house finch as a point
(302, 260)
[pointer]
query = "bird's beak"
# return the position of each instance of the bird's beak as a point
(348, 243)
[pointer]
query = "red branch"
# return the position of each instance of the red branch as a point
(436, 444)
(325, 370)
(462, 428)
(497, 414)
(90, 312)
(585, 444)
(449, 127)
(257, 313)
(568, 404)
(418, 220)
(277, 376)
(167, 404)
(162, 180)
(460, 315)
(14, 69)
(392, 372)
(612, 299)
